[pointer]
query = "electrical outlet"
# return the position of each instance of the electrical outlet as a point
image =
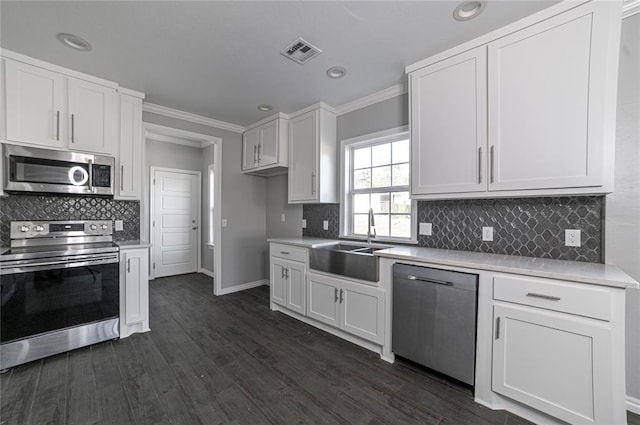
(325, 224)
(119, 225)
(487, 234)
(571, 237)
(304, 223)
(425, 229)
(282, 217)
(224, 222)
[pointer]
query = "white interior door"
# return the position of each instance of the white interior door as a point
(176, 196)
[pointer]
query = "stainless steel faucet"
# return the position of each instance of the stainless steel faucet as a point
(371, 224)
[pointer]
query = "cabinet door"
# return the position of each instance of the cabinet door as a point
(136, 291)
(554, 362)
(323, 299)
(448, 125)
(35, 105)
(250, 141)
(303, 140)
(545, 104)
(90, 117)
(362, 311)
(278, 282)
(268, 146)
(129, 173)
(296, 287)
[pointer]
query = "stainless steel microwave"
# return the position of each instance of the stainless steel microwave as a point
(29, 169)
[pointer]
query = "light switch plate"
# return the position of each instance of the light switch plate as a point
(325, 224)
(304, 223)
(224, 222)
(487, 234)
(282, 217)
(119, 225)
(572, 237)
(425, 229)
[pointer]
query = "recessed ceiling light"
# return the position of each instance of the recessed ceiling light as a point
(74, 42)
(468, 10)
(336, 72)
(265, 108)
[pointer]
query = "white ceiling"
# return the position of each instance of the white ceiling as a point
(221, 59)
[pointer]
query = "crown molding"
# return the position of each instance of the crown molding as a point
(268, 119)
(187, 116)
(382, 95)
(130, 92)
(161, 133)
(630, 8)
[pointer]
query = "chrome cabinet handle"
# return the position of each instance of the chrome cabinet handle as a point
(90, 175)
(284, 252)
(430, 280)
(57, 125)
(259, 153)
(341, 296)
(286, 273)
(491, 160)
(313, 183)
(255, 154)
(497, 327)
(543, 296)
(282, 273)
(129, 265)
(122, 177)
(479, 164)
(73, 129)
(335, 294)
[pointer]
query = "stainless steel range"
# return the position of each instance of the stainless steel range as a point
(59, 289)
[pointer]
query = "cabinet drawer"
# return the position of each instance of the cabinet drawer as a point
(289, 252)
(567, 297)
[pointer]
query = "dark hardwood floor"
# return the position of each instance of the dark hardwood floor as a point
(230, 360)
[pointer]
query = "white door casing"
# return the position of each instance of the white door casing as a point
(175, 222)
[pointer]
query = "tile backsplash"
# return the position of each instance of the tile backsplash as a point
(69, 207)
(529, 227)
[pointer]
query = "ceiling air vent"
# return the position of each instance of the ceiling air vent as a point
(300, 51)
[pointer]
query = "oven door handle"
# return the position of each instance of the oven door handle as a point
(59, 264)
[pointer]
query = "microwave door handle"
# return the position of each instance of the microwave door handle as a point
(90, 175)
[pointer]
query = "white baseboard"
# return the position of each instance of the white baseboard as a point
(207, 272)
(242, 287)
(633, 405)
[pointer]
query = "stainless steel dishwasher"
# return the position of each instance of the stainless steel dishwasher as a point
(434, 319)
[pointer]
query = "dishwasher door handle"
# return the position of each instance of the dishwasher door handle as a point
(429, 280)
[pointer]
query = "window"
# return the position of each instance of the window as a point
(376, 177)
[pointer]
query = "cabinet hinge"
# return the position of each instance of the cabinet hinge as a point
(154, 266)
(497, 327)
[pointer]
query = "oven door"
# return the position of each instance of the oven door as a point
(41, 296)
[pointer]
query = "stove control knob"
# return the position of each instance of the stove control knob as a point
(93, 227)
(39, 228)
(23, 229)
(104, 227)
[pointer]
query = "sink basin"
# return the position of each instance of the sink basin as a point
(345, 259)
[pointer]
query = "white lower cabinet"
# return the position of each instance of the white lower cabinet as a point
(134, 291)
(353, 307)
(288, 284)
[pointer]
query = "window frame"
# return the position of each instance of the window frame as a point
(346, 182)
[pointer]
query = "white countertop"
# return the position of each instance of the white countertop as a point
(304, 241)
(595, 273)
(131, 244)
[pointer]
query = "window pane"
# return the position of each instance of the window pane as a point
(401, 175)
(401, 151)
(362, 179)
(381, 176)
(381, 154)
(360, 224)
(401, 226)
(381, 224)
(380, 202)
(361, 203)
(362, 158)
(401, 203)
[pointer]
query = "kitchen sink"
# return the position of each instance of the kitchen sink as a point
(350, 260)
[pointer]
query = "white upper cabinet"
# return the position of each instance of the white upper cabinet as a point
(312, 157)
(264, 148)
(91, 113)
(47, 108)
(35, 105)
(550, 84)
(129, 172)
(448, 116)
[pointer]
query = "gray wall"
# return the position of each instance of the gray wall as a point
(243, 247)
(623, 206)
(277, 195)
(380, 116)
